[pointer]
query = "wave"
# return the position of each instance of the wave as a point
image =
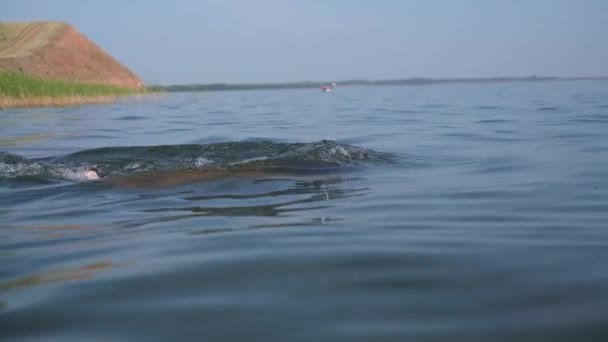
(258, 156)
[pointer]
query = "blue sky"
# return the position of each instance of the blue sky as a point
(206, 41)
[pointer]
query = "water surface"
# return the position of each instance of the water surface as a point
(467, 212)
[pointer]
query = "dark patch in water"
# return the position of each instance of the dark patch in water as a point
(488, 107)
(179, 130)
(131, 118)
(590, 119)
(547, 109)
(492, 121)
(412, 111)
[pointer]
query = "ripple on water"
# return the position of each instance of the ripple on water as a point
(547, 109)
(131, 118)
(494, 121)
(488, 108)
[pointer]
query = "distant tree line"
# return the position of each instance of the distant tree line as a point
(308, 84)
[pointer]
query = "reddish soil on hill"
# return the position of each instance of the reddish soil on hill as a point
(64, 54)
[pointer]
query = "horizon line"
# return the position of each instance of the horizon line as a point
(408, 79)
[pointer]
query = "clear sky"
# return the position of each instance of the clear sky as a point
(206, 41)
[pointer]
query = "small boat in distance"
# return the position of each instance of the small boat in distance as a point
(326, 88)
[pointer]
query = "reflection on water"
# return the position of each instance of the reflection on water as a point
(61, 231)
(292, 196)
(316, 191)
(82, 273)
(25, 139)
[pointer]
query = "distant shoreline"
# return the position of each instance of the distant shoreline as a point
(396, 82)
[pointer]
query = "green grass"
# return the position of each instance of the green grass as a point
(16, 85)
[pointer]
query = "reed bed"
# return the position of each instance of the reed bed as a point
(18, 90)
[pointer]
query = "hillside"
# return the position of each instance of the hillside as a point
(56, 51)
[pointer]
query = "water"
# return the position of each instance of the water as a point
(467, 212)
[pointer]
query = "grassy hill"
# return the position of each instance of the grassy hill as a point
(50, 63)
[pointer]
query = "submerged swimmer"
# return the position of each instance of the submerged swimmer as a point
(169, 165)
(163, 179)
(93, 173)
(86, 174)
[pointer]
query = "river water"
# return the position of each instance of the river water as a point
(459, 212)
